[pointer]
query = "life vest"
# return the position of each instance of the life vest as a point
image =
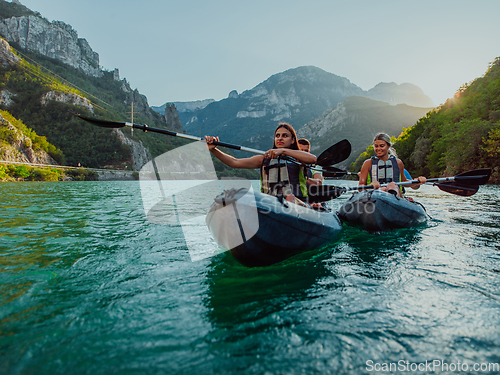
(282, 177)
(310, 173)
(384, 171)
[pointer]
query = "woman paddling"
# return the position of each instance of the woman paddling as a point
(385, 167)
(278, 177)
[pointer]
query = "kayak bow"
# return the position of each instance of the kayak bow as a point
(377, 211)
(259, 230)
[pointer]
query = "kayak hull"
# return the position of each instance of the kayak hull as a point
(378, 211)
(259, 230)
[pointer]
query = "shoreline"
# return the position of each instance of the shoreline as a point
(31, 173)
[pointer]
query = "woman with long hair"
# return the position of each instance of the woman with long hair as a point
(278, 177)
(385, 167)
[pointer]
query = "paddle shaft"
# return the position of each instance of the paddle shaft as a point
(334, 154)
(405, 183)
(147, 128)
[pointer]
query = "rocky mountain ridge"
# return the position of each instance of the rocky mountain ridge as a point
(297, 96)
(184, 106)
(405, 93)
(358, 119)
(57, 40)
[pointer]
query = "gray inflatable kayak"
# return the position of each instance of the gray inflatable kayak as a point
(376, 211)
(260, 230)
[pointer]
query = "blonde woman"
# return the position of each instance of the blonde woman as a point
(385, 167)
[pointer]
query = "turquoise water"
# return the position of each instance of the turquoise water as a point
(89, 286)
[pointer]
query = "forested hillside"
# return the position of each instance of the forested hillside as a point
(25, 88)
(358, 119)
(462, 134)
(79, 142)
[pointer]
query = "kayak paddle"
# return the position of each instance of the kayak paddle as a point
(337, 153)
(329, 171)
(146, 128)
(464, 184)
(334, 154)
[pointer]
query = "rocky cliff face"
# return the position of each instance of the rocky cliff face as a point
(56, 40)
(140, 154)
(7, 57)
(60, 41)
(172, 117)
(68, 98)
(140, 102)
(19, 148)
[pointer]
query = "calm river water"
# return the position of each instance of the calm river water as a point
(89, 286)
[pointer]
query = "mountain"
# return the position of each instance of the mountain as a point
(296, 96)
(358, 119)
(184, 106)
(47, 71)
(29, 31)
(52, 39)
(406, 93)
(460, 135)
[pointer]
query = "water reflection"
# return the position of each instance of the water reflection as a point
(238, 294)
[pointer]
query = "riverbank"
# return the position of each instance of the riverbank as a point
(16, 171)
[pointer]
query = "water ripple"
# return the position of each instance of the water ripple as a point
(88, 285)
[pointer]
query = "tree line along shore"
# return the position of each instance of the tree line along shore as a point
(16, 171)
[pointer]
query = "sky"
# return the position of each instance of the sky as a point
(188, 50)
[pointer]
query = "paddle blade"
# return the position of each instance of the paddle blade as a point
(463, 191)
(323, 193)
(335, 154)
(102, 123)
(474, 177)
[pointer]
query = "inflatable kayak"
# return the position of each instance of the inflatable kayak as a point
(376, 211)
(260, 230)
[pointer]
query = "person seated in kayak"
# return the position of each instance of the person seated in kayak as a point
(385, 167)
(312, 178)
(278, 177)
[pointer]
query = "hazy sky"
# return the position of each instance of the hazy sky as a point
(188, 50)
